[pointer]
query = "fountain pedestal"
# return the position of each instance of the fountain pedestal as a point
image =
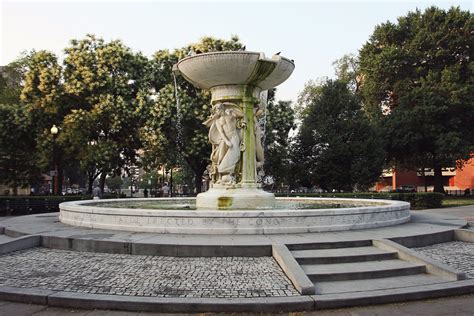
(236, 80)
(235, 198)
(246, 193)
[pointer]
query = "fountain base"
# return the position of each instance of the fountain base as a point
(233, 198)
(286, 219)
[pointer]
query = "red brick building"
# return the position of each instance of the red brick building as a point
(454, 179)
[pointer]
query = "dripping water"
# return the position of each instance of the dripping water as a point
(264, 101)
(263, 124)
(179, 129)
(179, 118)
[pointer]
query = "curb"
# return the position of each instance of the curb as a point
(293, 270)
(432, 266)
(393, 295)
(424, 240)
(466, 235)
(156, 304)
(150, 249)
(20, 243)
(259, 305)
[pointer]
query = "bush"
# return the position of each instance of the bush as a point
(417, 200)
(421, 200)
(23, 205)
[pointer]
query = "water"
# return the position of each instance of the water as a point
(190, 204)
(264, 101)
(263, 124)
(179, 117)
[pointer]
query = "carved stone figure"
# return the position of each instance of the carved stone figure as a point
(259, 111)
(225, 137)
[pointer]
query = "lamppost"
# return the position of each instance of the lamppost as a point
(54, 131)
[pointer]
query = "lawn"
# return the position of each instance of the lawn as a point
(458, 201)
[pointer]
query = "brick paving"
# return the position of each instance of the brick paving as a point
(457, 254)
(137, 275)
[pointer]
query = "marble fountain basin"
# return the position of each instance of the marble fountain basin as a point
(209, 70)
(179, 216)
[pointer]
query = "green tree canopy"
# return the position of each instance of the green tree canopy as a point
(18, 160)
(106, 86)
(279, 120)
(337, 147)
(418, 72)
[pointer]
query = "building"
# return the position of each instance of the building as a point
(456, 180)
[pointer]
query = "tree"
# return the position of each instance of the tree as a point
(418, 72)
(279, 120)
(43, 101)
(338, 148)
(347, 70)
(11, 79)
(174, 133)
(107, 87)
(114, 183)
(18, 161)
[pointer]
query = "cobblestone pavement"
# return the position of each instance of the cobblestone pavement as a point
(135, 275)
(457, 254)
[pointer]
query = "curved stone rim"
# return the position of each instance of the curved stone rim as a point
(253, 222)
(230, 52)
(378, 205)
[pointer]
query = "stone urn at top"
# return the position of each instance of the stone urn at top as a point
(238, 81)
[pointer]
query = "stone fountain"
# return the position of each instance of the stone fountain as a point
(235, 203)
(236, 81)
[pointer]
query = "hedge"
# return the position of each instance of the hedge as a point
(418, 201)
(23, 205)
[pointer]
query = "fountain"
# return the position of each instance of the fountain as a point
(235, 202)
(236, 80)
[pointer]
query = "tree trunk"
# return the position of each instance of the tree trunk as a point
(103, 175)
(60, 176)
(438, 179)
(198, 181)
(424, 178)
(90, 180)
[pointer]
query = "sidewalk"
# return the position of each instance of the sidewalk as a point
(465, 212)
(461, 305)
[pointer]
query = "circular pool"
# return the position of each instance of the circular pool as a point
(290, 215)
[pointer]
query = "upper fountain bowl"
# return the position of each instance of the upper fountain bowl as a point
(208, 70)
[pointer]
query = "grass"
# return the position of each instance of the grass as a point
(458, 201)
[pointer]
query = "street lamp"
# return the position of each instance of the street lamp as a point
(54, 131)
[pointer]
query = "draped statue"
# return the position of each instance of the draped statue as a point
(225, 135)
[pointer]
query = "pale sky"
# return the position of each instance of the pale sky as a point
(313, 33)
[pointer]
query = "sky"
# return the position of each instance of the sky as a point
(313, 33)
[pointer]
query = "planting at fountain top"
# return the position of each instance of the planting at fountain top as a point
(235, 202)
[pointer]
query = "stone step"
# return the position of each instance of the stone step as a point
(342, 255)
(5, 238)
(405, 281)
(330, 245)
(361, 270)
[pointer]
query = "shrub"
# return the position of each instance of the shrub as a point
(22, 205)
(417, 201)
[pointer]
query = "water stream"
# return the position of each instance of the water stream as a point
(179, 118)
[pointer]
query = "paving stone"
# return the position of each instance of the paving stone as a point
(15, 309)
(457, 254)
(137, 275)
